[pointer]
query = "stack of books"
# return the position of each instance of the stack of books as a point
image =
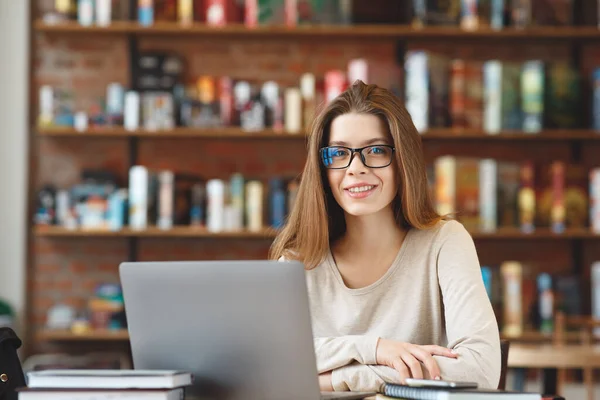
(105, 384)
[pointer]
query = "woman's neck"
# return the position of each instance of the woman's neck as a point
(373, 234)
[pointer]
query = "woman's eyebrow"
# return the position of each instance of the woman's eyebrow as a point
(365, 143)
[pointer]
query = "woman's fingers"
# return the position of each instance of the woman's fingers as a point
(430, 364)
(439, 351)
(412, 360)
(403, 372)
(412, 363)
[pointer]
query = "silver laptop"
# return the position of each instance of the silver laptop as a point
(242, 328)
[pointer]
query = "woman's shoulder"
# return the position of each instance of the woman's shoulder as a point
(289, 255)
(294, 256)
(451, 226)
(441, 231)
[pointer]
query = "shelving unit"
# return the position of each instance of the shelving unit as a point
(236, 133)
(175, 232)
(179, 132)
(89, 336)
(577, 145)
(122, 335)
(268, 233)
(328, 32)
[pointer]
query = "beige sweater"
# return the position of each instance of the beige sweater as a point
(432, 294)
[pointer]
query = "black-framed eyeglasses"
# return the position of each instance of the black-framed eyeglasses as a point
(340, 157)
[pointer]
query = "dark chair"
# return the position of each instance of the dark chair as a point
(11, 373)
(504, 346)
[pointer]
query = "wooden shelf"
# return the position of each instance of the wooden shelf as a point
(122, 335)
(540, 233)
(103, 335)
(324, 31)
(179, 132)
(175, 232)
(270, 233)
(538, 337)
(238, 133)
(547, 135)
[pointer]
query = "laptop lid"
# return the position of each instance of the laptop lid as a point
(241, 327)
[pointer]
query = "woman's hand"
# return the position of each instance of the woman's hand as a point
(406, 358)
(325, 383)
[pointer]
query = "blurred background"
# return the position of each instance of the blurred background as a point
(176, 130)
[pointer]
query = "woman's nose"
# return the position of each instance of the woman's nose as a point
(356, 165)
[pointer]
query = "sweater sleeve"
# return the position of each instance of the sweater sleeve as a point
(335, 352)
(471, 326)
(363, 378)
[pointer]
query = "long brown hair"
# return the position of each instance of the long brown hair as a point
(317, 220)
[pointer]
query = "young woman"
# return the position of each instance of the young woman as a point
(395, 289)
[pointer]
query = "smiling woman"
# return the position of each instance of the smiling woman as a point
(395, 289)
(380, 119)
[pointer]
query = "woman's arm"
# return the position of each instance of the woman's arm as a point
(335, 352)
(362, 378)
(471, 326)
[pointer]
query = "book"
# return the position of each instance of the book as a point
(532, 93)
(474, 95)
(457, 97)
(550, 197)
(108, 379)
(510, 101)
(563, 96)
(445, 185)
(492, 97)
(488, 188)
(99, 394)
(596, 98)
(417, 92)
(139, 194)
(576, 195)
(512, 277)
(526, 198)
(595, 286)
(429, 393)
(595, 200)
(467, 192)
(457, 189)
(438, 80)
(508, 182)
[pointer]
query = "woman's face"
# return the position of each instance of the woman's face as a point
(358, 189)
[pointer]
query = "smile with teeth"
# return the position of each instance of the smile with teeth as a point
(360, 189)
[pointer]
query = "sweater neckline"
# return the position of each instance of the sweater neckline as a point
(369, 288)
